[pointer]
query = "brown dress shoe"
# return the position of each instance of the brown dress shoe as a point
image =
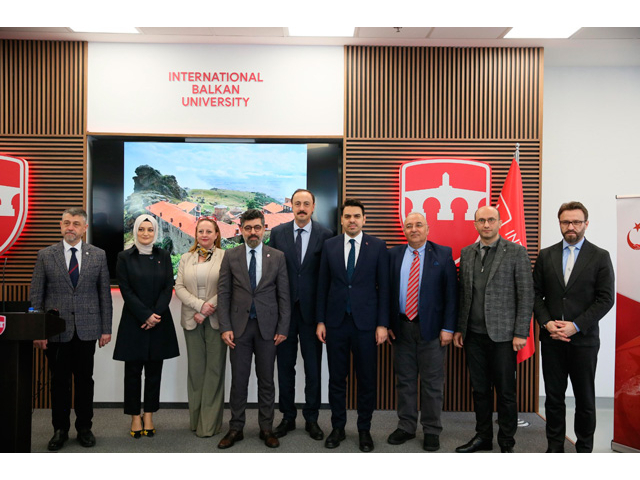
(230, 439)
(270, 440)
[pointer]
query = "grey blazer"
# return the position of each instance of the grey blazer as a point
(86, 309)
(187, 288)
(271, 296)
(509, 293)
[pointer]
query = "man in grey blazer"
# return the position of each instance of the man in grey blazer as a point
(72, 277)
(253, 311)
(496, 302)
(574, 289)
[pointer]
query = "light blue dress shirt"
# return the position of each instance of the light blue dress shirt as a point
(258, 254)
(565, 256)
(305, 236)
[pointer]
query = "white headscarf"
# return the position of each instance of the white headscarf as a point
(145, 249)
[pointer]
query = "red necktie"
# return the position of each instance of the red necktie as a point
(411, 310)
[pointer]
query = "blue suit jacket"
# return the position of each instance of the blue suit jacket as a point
(303, 279)
(369, 288)
(438, 300)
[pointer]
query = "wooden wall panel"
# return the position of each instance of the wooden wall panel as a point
(43, 120)
(405, 103)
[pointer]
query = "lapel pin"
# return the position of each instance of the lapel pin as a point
(268, 255)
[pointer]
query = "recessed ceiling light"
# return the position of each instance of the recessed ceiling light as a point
(105, 29)
(541, 32)
(313, 31)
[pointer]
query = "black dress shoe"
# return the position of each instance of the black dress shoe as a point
(399, 436)
(334, 438)
(86, 438)
(270, 440)
(314, 430)
(506, 450)
(476, 444)
(57, 441)
(366, 442)
(230, 439)
(285, 427)
(431, 442)
(555, 450)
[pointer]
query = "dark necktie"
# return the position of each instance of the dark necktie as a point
(351, 266)
(252, 279)
(299, 245)
(484, 257)
(74, 272)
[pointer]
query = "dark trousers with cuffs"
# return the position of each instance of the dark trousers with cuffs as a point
(66, 359)
(133, 386)
(413, 357)
(493, 365)
(287, 354)
(341, 341)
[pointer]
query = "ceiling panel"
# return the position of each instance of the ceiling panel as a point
(469, 32)
(392, 32)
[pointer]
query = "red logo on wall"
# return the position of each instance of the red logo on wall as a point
(14, 199)
(3, 323)
(447, 192)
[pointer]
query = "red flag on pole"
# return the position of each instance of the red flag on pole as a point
(511, 208)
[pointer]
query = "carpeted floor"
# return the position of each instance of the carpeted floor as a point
(111, 429)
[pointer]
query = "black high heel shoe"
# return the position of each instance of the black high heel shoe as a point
(148, 432)
(136, 433)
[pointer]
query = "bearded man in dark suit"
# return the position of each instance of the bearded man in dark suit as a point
(574, 289)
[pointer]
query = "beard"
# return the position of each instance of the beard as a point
(253, 241)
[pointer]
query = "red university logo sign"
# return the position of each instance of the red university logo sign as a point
(448, 192)
(3, 323)
(14, 199)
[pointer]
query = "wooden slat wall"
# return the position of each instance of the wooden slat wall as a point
(43, 120)
(404, 103)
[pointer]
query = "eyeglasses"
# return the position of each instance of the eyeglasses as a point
(248, 228)
(482, 221)
(575, 223)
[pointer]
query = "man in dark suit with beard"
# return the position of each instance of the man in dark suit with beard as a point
(301, 241)
(574, 289)
(72, 277)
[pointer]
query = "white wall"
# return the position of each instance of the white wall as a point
(590, 154)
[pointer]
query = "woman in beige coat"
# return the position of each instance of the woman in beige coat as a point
(197, 288)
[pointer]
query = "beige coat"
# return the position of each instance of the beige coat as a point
(187, 288)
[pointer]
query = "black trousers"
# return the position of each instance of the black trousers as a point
(561, 361)
(133, 386)
(287, 354)
(493, 365)
(66, 359)
(341, 341)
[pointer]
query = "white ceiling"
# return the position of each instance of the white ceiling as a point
(589, 46)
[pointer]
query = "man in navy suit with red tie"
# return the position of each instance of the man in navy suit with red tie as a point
(353, 316)
(424, 310)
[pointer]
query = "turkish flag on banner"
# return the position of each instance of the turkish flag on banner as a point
(511, 208)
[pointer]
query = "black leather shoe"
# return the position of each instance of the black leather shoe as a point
(86, 438)
(334, 438)
(269, 438)
(314, 430)
(285, 427)
(476, 444)
(230, 439)
(366, 442)
(431, 442)
(506, 450)
(399, 436)
(555, 450)
(57, 441)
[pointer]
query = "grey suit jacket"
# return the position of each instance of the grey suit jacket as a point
(508, 296)
(86, 309)
(271, 296)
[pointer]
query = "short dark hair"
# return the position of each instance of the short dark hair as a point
(251, 214)
(76, 212)
(313, 197)
(574, 206)
(351, 202)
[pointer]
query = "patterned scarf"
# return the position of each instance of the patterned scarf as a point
(203, 252)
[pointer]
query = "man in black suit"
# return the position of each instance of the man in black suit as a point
(353, 316)
(72, 277)
(301, 242)
(253, 311)
(423, 318)
(574, 289)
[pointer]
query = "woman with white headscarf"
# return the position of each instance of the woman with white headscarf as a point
(146, 335)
